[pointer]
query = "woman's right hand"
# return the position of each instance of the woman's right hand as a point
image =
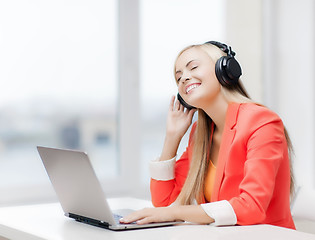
(178, 119)
(178, 122)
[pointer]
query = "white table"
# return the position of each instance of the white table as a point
(46, 221)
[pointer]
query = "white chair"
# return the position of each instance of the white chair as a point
(303, 209)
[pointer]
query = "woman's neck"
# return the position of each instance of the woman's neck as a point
(217, 112)
(217, 109)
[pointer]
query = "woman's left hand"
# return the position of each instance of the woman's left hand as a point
(150, 215)
(189, 213)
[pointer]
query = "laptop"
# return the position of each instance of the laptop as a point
(79, 191)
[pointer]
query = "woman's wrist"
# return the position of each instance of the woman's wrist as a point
(190, 213)
(170, 147)
(173, 135)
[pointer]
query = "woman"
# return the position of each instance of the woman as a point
(236, 168)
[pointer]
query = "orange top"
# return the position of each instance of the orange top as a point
(209, 182)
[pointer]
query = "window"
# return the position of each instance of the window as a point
(166, 28)
(58, 87)
(59, 65)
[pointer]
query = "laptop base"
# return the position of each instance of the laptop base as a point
(118, 227)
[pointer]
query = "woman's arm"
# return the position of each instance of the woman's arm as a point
(167, 180)
(266, 152)
(168, 177)
(188, 213)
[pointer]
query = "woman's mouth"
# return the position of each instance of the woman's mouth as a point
(191, 87)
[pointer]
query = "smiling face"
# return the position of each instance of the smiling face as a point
(196, 79)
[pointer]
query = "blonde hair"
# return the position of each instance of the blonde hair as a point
(193, 188)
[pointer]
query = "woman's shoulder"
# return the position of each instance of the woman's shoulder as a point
(254, 113)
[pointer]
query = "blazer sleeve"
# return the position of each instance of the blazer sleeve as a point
(265, 152)
(165, 192)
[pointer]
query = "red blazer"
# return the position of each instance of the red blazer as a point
(253, 169)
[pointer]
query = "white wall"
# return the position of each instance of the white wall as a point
(275, 43)
(244, 33)
(293, 58)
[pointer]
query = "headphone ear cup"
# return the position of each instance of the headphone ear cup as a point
(219, 72)
(228, 71)
(233, 69)
(186, 105)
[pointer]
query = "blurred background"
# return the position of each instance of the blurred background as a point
(97, 75)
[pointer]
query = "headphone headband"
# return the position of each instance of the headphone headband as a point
(225, 48)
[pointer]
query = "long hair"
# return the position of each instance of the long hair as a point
(193, 188)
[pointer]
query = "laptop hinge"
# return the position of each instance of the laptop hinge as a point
(87, 220)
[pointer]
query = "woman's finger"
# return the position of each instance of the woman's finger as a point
(145, 220)
(182, 108)
(171, 106)
(177, 105)
(191, 112)
(135, 216)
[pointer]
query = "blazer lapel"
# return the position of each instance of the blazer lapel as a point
(227, 139)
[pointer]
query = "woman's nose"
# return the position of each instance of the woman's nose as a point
(186, 78)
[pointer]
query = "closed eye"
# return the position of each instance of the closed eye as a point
(194, 67)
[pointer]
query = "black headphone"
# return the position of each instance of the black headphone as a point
(227, 69)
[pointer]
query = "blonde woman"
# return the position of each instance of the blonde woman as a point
(236, 168)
